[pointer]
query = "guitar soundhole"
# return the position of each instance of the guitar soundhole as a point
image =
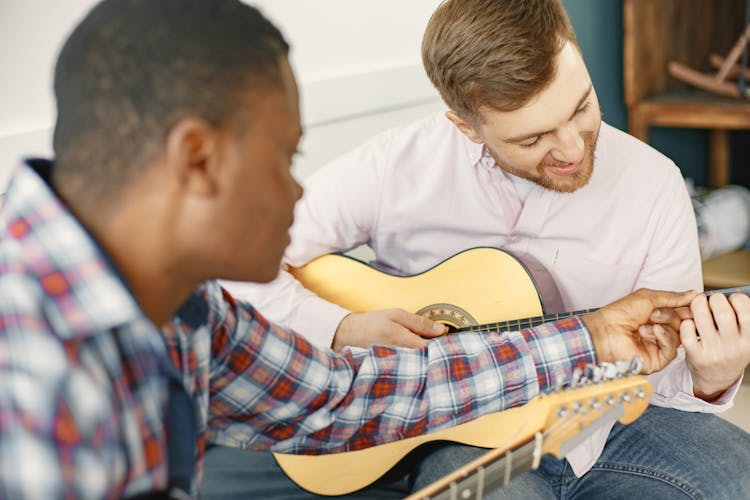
(448, 314)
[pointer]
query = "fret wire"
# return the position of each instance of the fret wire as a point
(480, 483)
(495, 474)
(508, 467)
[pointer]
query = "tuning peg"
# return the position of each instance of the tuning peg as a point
(636, 365)
(623, 367)
(560, 382)
(593, 373)
(575, 377)
(578, 408)
(609, 370)
(639, 393)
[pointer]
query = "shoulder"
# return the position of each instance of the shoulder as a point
(408, 144)
(431, 128)
(631, 160)
(214, 306)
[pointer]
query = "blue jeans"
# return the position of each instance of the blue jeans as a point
(665, 454)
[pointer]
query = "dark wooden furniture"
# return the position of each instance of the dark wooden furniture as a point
(689, 31)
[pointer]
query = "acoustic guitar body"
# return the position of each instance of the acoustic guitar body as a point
(474, 287)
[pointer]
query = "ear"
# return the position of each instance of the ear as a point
(193, 155)
(465, 127)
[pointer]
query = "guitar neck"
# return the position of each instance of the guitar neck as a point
(729, 291)
(519, 324)
(494, 473)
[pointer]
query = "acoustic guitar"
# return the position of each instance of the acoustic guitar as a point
(480, 289)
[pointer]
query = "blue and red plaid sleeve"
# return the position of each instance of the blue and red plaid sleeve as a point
(271, 388)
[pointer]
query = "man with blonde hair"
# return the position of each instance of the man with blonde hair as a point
(522, 161)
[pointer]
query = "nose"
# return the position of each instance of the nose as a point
(570, 144)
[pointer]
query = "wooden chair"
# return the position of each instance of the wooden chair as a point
(727, 68)
(659, 31)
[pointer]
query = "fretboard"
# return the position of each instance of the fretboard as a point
(490, 476)
(520, 324)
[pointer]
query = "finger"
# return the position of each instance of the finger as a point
(667, 341)
(646, 331)
(724, 317)
(665, 316)
(670, 299)
(655, 350)
(689, 337)
(741, 304)
(420, 325)
(403, 337)
(684, 312)
(704, 320)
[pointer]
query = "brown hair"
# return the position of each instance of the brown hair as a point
(494, 54)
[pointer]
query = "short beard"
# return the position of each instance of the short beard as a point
(578, 179)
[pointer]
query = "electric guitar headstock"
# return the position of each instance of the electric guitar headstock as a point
(569, 414)
(572, 411)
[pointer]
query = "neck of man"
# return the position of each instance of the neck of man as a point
(140, 237)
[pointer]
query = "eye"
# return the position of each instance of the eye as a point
(583, 108)
(529, 145)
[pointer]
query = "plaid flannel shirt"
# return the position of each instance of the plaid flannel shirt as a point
(83, 384)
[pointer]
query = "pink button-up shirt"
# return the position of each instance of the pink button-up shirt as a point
(423, 192)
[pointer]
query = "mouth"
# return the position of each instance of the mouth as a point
(568, 168)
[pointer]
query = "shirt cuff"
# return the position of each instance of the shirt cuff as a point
(673, 388)
(557, 348)
(721, 404)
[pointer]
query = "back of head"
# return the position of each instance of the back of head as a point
(494, 54)
(133, 68)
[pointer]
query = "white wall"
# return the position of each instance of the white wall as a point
(357, 61)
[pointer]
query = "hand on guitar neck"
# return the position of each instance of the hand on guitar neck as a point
(645, 323)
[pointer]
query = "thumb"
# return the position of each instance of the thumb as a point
(420, 325)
